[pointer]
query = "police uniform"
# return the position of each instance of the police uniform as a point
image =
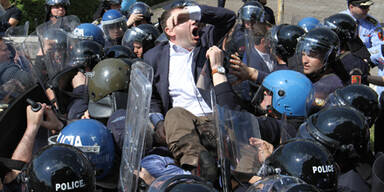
(327, 84)
(371, 33)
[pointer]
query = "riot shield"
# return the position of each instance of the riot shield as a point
(16, 85)
(18, 31)
(235, 131)
(67, 23)
(236, 43)
(136, 125)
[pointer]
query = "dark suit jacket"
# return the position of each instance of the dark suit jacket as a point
(221, 20)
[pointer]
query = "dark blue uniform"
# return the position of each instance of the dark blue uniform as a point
(327, 84)
(350, 62)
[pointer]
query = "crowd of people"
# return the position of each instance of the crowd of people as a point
(237, 102)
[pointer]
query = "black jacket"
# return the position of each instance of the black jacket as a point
(221, 20)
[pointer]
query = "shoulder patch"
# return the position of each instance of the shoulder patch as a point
(372, 20)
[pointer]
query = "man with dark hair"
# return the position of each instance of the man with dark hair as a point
(178, 63)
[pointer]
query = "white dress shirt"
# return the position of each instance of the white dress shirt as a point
(182, 87)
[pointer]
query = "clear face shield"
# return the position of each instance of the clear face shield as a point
(132, 35)
(314, 49)
(114, 29)
(272, 41)
(251, 14)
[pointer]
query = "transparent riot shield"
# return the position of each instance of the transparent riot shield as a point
(67, 23)
(139, 95)
(18, 31)
(236, 130)
(16, 85)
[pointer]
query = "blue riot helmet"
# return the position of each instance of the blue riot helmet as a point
(309, 23)
(292, 94)
(144, 34)
(320, 43)
(141, 8)
(114, 26)
(95, 140)
(126, 4)
(59, 167)
(90, 32)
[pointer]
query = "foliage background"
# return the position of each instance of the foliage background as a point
(35, 10)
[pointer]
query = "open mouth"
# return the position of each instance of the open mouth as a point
(195, 33)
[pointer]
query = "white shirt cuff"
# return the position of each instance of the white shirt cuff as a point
(194, 12)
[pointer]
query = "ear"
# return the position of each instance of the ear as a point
(169, 32)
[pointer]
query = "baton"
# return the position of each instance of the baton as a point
(35, 106)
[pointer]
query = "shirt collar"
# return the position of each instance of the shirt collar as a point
(177, 49)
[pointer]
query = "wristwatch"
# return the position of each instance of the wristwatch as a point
(218, 69)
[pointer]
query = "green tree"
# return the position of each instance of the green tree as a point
(34, 10)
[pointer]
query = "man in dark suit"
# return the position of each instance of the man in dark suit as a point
(178, 67)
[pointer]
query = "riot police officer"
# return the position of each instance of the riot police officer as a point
(114, 26)
(370, 31)
(104, 6)
(306, 160)
(140, 38)
(59, 167)
(352, 56)
(317, 51)
(139, 13)
(56, 9)
(344, 132)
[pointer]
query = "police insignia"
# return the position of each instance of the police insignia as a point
(380, 34)
(356, 79)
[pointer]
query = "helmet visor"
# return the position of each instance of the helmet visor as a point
(115, 29)
(252, 13)
(313, 48)
(133, 34)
